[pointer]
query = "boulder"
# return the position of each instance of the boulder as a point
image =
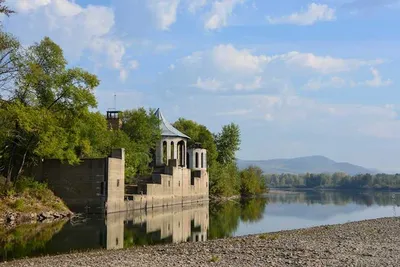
(11, 217)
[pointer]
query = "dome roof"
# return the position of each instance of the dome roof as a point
(167, 130)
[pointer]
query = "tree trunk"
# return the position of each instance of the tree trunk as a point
(22, 165)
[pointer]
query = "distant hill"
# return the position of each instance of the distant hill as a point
(312, 164)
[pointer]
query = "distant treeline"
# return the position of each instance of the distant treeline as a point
(335, 180)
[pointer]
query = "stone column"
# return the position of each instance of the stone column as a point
(168, 151)
(159, 153)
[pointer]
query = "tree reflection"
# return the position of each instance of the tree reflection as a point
(27, 240)
(225, 216)
(366, 198)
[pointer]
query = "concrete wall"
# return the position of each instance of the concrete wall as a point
(181, 186)
(116, 181)
(82, 187)
(93, 186)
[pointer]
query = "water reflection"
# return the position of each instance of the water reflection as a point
(115, 231)
(276, 211)
(310, 197)
(225, 217)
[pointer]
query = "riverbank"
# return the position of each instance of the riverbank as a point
(365, 243)
(29, 202)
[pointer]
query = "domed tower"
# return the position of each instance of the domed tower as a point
(173, 143)
(197, 157)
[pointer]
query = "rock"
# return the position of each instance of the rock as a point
(11, 217)
(45, 215)
(56, 215)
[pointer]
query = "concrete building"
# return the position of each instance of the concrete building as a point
(180, 176)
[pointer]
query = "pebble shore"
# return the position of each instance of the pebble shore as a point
(365, 243)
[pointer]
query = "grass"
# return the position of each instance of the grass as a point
(27, 196)
(214, 258)
(271, 237)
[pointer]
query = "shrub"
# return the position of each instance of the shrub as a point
(19, 205)
(214, 258)
(271, 237)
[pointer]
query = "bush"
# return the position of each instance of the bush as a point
(224, 180)
(252, 181)
(19, 205)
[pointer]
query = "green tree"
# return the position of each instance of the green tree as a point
(228, 143)
(252, 181)
(8, 48)
(199, 134)
(139, 136)
(224, 180)
(45, 110)
(5, 9)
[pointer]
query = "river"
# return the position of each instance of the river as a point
(278, 210)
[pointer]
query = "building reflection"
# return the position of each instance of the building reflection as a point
(173, 224)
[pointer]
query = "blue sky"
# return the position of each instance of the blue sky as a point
(299, 77)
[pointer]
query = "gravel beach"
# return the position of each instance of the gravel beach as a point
(366, 243)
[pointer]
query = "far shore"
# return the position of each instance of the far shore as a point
(286, 189)
(365, 243)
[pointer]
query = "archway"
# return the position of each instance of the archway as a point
(172, 156)
(164, 149)
(181, 153)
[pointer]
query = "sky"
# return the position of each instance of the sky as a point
(299, 77)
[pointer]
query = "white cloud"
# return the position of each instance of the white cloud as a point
(80, 31)
(246, 70)
(338, 82)
(220, 12)
(316, 84)
(208, 84)
(228, 58)
(164, 11)
(314, 13)
(256, 84)
(195, 5)
(171, 67)
(133, 64)
(326, 64)
(377, 80)
(30, 5)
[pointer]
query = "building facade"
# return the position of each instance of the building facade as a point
(97, 185)
(180, 173)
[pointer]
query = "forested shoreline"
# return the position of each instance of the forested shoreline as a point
(334, 181)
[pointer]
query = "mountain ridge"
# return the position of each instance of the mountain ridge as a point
(300, 165)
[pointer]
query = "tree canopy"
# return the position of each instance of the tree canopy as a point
(228, 143)
(45, 109)
(198, 134)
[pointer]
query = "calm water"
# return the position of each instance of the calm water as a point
(274, 212)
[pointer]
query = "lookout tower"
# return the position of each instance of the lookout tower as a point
(197, 157)
(173, 143)
(114, 121)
